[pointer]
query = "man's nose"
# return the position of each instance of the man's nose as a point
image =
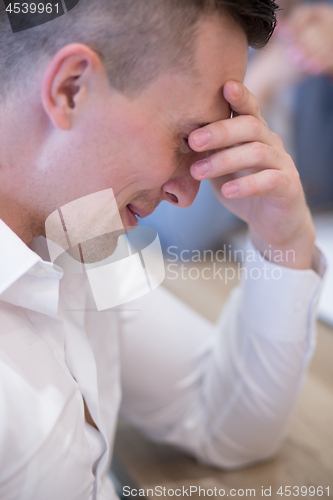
(181, 191)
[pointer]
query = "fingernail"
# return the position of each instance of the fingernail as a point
(201, 138)
(231, 188)
(202, 167)
(236, 90)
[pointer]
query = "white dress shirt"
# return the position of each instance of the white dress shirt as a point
(224, 393)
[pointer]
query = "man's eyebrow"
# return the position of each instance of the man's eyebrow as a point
(189, 124)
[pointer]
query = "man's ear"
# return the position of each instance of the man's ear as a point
(71, 75)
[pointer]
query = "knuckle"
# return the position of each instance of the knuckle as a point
(222, 131)
(275, 179)
(259, 151)
(223, 159)
(256, 107)
(291, 169)
(252, 185)
(219, 132)
(253, 124)
(275, 155)
(295, 177)
(278, 140)
(295, 182)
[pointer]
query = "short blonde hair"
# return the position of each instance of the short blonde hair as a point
(136, 39)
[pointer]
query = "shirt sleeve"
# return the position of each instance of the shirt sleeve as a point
(224, 393)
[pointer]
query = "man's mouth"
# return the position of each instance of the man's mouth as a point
(131, 217)
(132, 210)
(140, 212)
(132, 213)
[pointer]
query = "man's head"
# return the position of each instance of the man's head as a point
(105, 96)
(136, 39)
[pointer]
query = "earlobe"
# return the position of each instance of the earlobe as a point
(66, 83)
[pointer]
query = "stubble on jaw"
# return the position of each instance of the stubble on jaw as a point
(25, 224)
(96, 249)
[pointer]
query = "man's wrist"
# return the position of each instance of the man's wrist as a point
(296, 254)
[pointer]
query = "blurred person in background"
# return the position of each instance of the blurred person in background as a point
(292, 79)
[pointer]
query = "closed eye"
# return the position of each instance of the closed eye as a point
(184, 147)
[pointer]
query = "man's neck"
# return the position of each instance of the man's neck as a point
(26, 228)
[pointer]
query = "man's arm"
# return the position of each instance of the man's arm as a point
(224, 393)
(256, 179)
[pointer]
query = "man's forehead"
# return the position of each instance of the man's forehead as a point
(186, 101)
(220, 110)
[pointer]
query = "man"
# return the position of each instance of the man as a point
(135, 97)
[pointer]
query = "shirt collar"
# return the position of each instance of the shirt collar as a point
(25, 279)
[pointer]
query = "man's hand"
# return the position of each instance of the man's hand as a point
(256, 179)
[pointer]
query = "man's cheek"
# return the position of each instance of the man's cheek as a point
(156, 175)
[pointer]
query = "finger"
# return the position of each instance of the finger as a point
(226, 133)
(264, 183)
(241, 100)
(254, 155)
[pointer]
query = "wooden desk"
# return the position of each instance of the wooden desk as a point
(305, 459)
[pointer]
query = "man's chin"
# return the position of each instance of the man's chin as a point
(96, 249)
